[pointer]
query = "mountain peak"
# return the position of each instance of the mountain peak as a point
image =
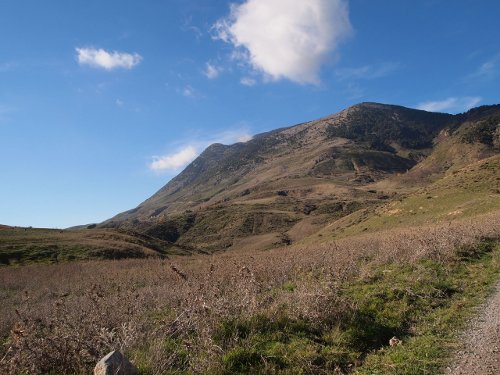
(237, 185)
(382, 106)
(371, 105)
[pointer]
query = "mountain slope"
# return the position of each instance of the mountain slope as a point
(302, 150)
(471, 191)
(287, 184)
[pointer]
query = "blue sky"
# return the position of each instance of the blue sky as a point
(102, 102)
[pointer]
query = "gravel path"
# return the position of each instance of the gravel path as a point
(480, 352)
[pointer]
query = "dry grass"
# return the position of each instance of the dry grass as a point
(172, 316)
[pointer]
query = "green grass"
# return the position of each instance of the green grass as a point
(423, 304)
(21, 246)
(277, 343)
(433, 306)
(464, 193)
(171, 348)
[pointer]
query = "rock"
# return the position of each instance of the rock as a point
(115, 363)
(395, 341)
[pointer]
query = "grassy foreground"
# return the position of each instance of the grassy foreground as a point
(429, 304)
(322, 309)
(423, 304)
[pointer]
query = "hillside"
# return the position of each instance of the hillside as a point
(19, 246)
(288, 184)
(332, 147)
(462, 193)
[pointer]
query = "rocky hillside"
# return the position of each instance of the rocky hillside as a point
(288, 184)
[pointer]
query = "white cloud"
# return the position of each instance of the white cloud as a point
(100, 58)
(367, 71)
(247, 81)
(212, 71)
(188, 91)
(119, 103)
(189, 151)
(286, 39)
(452, 104)
(232, 136)
(244, 138)
(174, 161)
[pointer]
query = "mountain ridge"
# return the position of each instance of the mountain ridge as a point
(299, 185)
(269, 185)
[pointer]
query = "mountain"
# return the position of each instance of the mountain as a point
(287, 184)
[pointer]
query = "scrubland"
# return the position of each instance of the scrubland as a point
(307, 309)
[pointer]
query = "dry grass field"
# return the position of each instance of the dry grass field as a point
(304, 309)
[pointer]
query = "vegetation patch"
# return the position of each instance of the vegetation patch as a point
(377, 126)
(422, 304)
(21, 246)
(429, 303)
(323, 309)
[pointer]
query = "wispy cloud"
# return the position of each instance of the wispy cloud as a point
(452, 104)
(488, 69)
(247, 81)
(212, 71)
(108, 60)
(368, 71)
(188, 26)
(187, 152)
(286, 39)
(174, 161)
(232, 136)
(188, 91)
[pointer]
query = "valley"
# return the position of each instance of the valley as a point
(301, 251)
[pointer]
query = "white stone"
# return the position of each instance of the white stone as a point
(115, 363)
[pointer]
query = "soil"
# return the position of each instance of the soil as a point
(480, 351)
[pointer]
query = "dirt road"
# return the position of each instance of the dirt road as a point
(480, 352)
